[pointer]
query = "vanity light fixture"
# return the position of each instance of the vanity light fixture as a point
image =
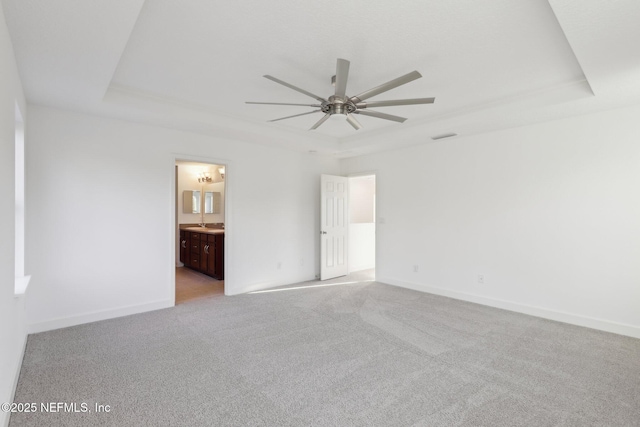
(221, 171)
(205, 177)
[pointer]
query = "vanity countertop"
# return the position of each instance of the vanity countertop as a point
(205, 230)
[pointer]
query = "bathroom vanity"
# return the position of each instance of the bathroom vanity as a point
(202, 249)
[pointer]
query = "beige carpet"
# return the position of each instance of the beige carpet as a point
(362, 354)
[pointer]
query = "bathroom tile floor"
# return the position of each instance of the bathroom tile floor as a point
(191, 285)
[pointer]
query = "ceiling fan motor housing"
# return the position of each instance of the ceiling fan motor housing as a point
(337, 105)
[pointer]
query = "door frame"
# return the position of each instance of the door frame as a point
(229, 274)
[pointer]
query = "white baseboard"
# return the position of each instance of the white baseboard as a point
(252, 287)
(65, 322)
(559, 316)
(16, 377)
(260, 286)
(354, 268)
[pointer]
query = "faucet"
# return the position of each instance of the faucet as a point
(203, 225)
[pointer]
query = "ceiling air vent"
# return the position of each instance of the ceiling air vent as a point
(443, 136)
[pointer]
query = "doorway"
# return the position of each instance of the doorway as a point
(362, 225)
(200, 230)
(347, 226)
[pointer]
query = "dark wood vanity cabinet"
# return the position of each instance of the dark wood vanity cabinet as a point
(194, 253)
(204, 255)
(208, 255)
(203, 252)
(185, 247)
(215, 265)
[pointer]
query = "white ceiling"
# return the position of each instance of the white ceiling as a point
(191, 65)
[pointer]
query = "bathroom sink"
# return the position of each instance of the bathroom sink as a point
(205, 230)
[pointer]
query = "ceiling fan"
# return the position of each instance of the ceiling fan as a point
(340, 103)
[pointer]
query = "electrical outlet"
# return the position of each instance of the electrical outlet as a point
(415, 268)
(481, 278)
(279, 266)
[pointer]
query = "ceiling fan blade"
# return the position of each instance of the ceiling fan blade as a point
(295, 115)
(353, 122)
(290, 86)
(321, 121)
(342, 74)
(380, 115)
(282, 103)
(391, 103)
(386, 86)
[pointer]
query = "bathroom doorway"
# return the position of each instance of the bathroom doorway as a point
(200, 190)
(362, 225)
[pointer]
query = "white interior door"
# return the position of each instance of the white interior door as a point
(334, 233)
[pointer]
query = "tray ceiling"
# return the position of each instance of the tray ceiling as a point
(192, 65)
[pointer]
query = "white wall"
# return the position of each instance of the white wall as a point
(12, 319)
(101, 243)
(362, 246)
(362, 192)
(549, 214)
(362, 229)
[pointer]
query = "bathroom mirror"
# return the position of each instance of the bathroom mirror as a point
(212, 202)
(191, 201)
